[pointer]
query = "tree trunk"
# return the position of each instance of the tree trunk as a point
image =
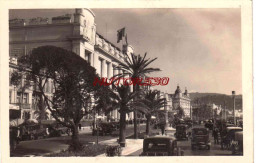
(135, 88)
(148, 121)
(40, 107)
(75, 143)
(122, 129)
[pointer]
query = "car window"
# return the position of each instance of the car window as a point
(160, 146)
(200, 132)
(157, 147)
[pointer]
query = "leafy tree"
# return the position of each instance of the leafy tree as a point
(72, 78)
(137, 66)
(204, 112)
(41, 115)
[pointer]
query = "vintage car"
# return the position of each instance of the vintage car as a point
(237, 143)
(32, 132)
(228, 136)
(181, 132)
(200, 138)
(56, 130)
(104, 128)
(161, 146)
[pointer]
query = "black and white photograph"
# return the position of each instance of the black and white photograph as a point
(126, 82)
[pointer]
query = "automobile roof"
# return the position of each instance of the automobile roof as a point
(160, 137)
(199, 128)
(234, 128)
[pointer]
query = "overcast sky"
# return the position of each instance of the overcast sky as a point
(196, 48)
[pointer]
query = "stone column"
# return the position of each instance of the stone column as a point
(96, 61)
(104, 68)
(110, 70)
(91, 59)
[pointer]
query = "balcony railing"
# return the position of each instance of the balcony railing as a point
(23, 105)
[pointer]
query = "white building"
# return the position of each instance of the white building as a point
(182, 100)
(75, 33)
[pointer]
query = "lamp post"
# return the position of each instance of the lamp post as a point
(224, 109)
(234, 106)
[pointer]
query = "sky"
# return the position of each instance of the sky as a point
(199, 49)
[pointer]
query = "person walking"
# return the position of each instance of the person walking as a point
(215, 135)
(162, 126)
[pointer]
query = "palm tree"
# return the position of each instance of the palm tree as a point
(149, 105)
(41, 115)
(120, 99)
(135, 67)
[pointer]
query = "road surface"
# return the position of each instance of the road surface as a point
(186, 146)
(44, 146)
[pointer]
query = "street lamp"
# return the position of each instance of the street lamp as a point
(234, 105)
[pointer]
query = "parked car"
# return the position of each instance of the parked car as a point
(33, 132)
(161, 146)
(104, 128)
(200, 138)
(115, 125)
(57, 129)
(229, 136)
(237, 143)
(181, 132)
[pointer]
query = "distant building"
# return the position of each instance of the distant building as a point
(182, 100)
(168, 101)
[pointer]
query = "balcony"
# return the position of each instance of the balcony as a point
(23, 106)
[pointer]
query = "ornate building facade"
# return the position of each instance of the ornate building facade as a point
(75, 33)
(182, 100)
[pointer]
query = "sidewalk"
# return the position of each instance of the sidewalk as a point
(132, 145)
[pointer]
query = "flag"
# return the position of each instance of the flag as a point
(126, 39)
(120, 34)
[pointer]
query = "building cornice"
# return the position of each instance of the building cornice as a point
(43, 25)
(98, 47)
(38, 41)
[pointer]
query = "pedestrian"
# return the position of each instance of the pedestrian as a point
(162, 128)
(215, 135)
(80, 126)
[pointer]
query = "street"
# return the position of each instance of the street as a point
(185, 145)
(44, 146)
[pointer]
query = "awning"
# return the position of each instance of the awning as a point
(13, 107)
(16, 122)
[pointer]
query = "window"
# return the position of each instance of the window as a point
(18, 97)
(88, 56)
(25, 98)
(114, 70)
(108, 71)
